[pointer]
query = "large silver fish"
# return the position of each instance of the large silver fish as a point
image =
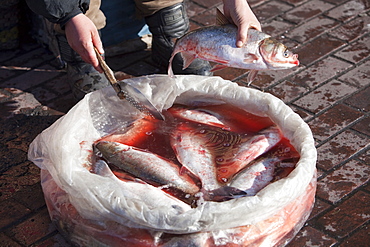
(218, 44)
(146, 165)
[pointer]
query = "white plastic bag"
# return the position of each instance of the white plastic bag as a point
(102, 202)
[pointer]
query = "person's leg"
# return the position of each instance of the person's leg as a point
(167, 21)
(82, 77)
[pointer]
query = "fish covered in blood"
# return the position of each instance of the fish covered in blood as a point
(218, 44)
(146, 165)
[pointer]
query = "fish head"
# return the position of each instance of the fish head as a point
(276, 55)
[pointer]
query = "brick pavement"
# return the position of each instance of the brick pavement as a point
(330, 90)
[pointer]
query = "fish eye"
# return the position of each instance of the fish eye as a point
(286, 53)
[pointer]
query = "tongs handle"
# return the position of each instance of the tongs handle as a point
(110, 75)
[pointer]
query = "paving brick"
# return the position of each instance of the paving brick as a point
(359, 76)
(119, 62)
(352, 29)
(318, 48)
(365, 157)
(347, 217)
(32, 229)
(287, 91)
(7, 72)
(267, 78)
(207, 18)
(310, 237)
(294, 2)
(325, 96)
(270, 10)
(332, 121)
(312, 29)
(31, 59)
(276, 28)
(141, 68)
(193, 9)
(11, 211)
(318, 208)
(339, 149)
(31, 196)
(342, 181)
(303, 114)
(7, 242)
(356, 51)
(360, 238)
(363, 126)
(307, 10)
(32, 78)
(17, 178)
(209, 3)
(360, 100)
(230, 73)
(59, 85)
(55, 241)
(349, 10)
(320, 72)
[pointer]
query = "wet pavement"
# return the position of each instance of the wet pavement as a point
(330, 90)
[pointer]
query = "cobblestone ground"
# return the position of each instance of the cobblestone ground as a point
(329, 90)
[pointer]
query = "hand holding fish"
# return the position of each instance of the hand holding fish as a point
(239, 13)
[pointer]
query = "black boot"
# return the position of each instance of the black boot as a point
(168, 24)
(82, 76)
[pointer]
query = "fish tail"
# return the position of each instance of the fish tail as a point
(170, 71)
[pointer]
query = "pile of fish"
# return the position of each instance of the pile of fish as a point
(213, 153)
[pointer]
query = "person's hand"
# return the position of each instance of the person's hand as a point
(239, 12)
(82, 36)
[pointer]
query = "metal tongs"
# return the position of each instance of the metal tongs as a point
(129, 93)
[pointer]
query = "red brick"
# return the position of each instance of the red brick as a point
(294, 2)
(207, 18)
(307, 11)
(270, 10)
(31, 59)
(275, 28)
(32, 78)
(342, 181)
(324, 96)
(339, 149)
(268, 78)
(360, 100)
(359, 76)
(11, 211)
(32, 229)
(31, 196)
(287, 91)
(332, 121)
(312, 29)
(193, 9)
(318, 48)
(363, 126)
(310, 237)
(352, 29)
(7, 242)
(365, 157)
(17, 178)
(56, 240)
(356, 51)
(347, 217)
(320, 72)
(209, 3)
(121, 61)
(303, 114)
(230, 73)
(359, 239)
(319, 207)
(349, 10)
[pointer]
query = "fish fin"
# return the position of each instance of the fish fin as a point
(170, 71)
(188, 59)
(251, 76)
(221, 18)
(250, 58)
(218, 67)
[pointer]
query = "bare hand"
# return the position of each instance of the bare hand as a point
(82, 36)
(239, 12)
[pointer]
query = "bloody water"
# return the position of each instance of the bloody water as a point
(154, 135)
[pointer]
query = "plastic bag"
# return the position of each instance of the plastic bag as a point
(102, 210)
